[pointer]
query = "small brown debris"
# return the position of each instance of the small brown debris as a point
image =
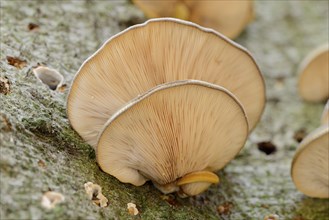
(132, 209)
(299, 135)
(279, 82)
(170, 198)
(225, 208)
(272, 217)
(16, 62)
(264, 206)
(42, 164)
(267, 147)
(5, 124)
(62, 88)
(4, 85)
(298, 218)
(33, 27)
(94, 193)
(50, 199)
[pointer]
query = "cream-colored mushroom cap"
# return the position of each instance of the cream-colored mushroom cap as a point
(226, 16)
(313, 85)
(153, 53)
(172, 133)
(48, 76)
(325, 114)
(310, 166)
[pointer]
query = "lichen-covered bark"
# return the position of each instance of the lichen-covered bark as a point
(40, 151)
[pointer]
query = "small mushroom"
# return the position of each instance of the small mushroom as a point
(313, 84)
(48, 76)
(227, 17)
(310, 166)
(94, 192)
(176, 135)
(325, 114)
(132, 210)
(159, 51)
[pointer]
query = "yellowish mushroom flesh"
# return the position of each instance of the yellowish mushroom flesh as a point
(200, 176)
(191, 184)
(171, 133)
(153, 53)
(226, 16)
(313, 85)
(195, 183)
(310, 166)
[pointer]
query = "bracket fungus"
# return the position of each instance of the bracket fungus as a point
(310, 166)
(227, 17)
(167, 101)
(313, 84)
(176, 134)
(155, 52)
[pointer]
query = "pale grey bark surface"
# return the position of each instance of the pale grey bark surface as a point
(40, 151)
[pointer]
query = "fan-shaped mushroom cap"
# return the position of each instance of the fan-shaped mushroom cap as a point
(310, 166)
(153, 53)
(173, 130)
(325, 114)
(225, 16)
(313, 85)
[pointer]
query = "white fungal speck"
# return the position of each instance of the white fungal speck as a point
(51, 199)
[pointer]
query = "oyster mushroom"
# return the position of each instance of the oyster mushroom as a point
(313, 84)
(48, 76)
(153, 53)
(310, 166)
(176, 135)
(227, 17)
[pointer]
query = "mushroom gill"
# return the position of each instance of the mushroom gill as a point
(175, 135)
(159, 51)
